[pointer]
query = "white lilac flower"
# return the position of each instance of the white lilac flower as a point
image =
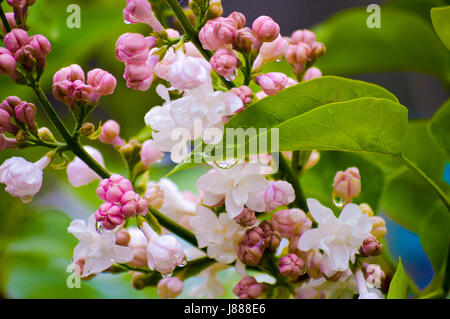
(23, 179)
(338, 238)
(97, 249)
(212, 287)
(220, 234)
(79, 174)
(241, 185)
(175, 205)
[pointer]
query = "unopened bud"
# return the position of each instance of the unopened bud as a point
(170, 287)
(239, 18)
(138, 280)
(215, 9)
(87, 129)
(46, 135)
(122, 237)
(248, 288)
(150, 154)
(347, 185)
(131, 150)
(370, 247)
(110, 133)
(292, 266)
(246, 218)
(378, 227)
(291, 223)
(366, 209)
(265, 29)
(154, 195)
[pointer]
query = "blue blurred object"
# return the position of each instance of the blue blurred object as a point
(447, 173)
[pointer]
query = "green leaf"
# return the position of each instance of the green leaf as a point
(406, 38)
(419, 7)
(327, 113)
(398, 288)
(441, 23)
(440, 129)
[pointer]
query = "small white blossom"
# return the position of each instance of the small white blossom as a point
(98, 249)
(79, 174)
(339, 238)
(23, 179)
(175, 205)
(241, 185)
(220, 234)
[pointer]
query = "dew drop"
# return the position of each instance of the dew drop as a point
(127, 22)
(278, 60)
(183, 262)
(165, 276)
(232, 77)
(337, 201)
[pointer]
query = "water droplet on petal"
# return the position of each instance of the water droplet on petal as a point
(232, 77)
(183, 262)
(278, 60)
(127, 22)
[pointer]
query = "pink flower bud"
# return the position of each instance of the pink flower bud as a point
(218, 32)
(41, 45)
(154, 195)
(8, 63)
(16, 39)
(277, 194)
(271, 236)
(317, 50)
(11, 21)
(292, 266)
(25, 57)
(138, 242)
(164, 253)
(81, 92)
(272, 83)
(150, 154)
(303, 36)
(373, 273)
(244, 93)
(246, 218)
(110, 133)
(251, 247)
(265, 29)
(70, 73)
(21, 8)
(248, 288)
(6, 142)
(10, 103)
(113, 188)
(371, 247)
(225, 62)
(139, 76)
(246, 41)
(133, 204)
(104, 83)
(312, 73)
(5, 122)
(347, 185)
(298, 54)
(271, 51)
(25, 113)
(239, 19)
(140, 11)
(134, 47)
(170, 287)
(123, 237)
(291, 223)
(109, 215)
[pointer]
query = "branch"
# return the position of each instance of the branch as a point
(3, 18)
(300, 200)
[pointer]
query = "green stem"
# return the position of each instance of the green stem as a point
(434, 295)
(3, 18)
(190, 30)
(428, 180)
(300, 200)
(73, 143)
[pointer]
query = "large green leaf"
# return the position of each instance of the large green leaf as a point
(440, 128)
(405, 42)
(441, 23)
(419, 7)
(398, 288)
(328, 113)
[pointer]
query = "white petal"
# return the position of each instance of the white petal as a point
(320, 213)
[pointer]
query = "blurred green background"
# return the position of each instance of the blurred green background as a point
(35, 247)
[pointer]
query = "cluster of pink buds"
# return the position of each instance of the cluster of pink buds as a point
(244, 93)
(249, 288)
(15, 115)
(256, 241)
(134, 50)
(246, 218)
(303, 49)
(11, 21)
(347, 184)
(70, 86)
(121, 201)
(292, 266)
(28, 52)
(20, 8)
